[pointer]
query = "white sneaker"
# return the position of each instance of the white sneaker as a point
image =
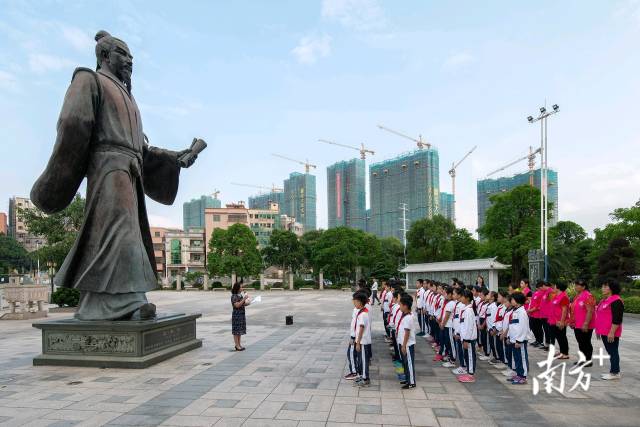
(508, 373)
(448, 365)
(459, 371)
(483, 357)
(608, 377)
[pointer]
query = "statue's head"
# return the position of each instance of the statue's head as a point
(113, 55)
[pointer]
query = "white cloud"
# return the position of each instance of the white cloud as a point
(42, 62)
(360, 15)
(79, 39)
(7, 81)
(310, 49)
(458, 60)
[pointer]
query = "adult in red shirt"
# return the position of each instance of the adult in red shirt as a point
(583, 319)
(545, 308)
(558, 318)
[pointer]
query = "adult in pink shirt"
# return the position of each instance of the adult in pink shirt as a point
(545, 306)
(535, 318)
(583, 319)
(559, 317)
(609, 314)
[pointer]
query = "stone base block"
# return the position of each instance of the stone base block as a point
(116, 344)
(27, 315)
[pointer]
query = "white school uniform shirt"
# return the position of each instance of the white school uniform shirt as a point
(438, 307)
(353, 323)
(369, 310)
(499, 316)
(386, 304)
(483, 310)
(505, 320)
(456, 317)
(425, 295)
(392, 314)
(374, 287)
(449, 308)
(362, 320)
(490, 312)
(468, 330)
(407, 323)
(419, 300)
(519, 325)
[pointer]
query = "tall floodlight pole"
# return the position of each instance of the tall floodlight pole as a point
(544, 184)
(403, 208)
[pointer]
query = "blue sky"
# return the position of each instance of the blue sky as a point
(256, 77)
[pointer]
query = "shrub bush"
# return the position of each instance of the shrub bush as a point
(66, 296)
(632, 305)
(217, 285)
(276, 285)
(302, 283)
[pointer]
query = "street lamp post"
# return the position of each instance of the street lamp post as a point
(544, 183)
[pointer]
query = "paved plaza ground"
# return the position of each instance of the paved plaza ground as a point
(291, 376)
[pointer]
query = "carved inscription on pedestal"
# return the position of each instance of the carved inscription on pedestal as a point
(166, 337)
(91, 343)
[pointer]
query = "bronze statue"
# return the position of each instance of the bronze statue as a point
(100, 136)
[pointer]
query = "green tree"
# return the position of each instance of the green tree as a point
(234, 250)
(338, 251)
(388, 260)
(429, 240)
(308, 242)
(464, 245)
(284, 250)
(625, 224)
(12, 255)
(567, 233)
(512, 227)
(59, 229)
(618, 261)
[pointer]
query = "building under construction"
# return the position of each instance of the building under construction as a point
(346, 194)
(489, 187)
(446, 205)
(411, 178)
(193, 211)
(300, 199)
(264, 201)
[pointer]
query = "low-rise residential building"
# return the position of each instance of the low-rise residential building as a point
(18, 228)
(184, 251)
(3, 223)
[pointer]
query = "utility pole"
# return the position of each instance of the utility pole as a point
(544, 183)
(403, 208)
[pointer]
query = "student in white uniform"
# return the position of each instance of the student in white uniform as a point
(351, 358)
(362, 339)
(407, 341)
(420, 305)
(468, 335)
(518, 335)
(386, 310)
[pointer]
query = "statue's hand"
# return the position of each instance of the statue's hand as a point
(187, 157)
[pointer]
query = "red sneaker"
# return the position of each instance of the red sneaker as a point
(466, 378)
(438, 358)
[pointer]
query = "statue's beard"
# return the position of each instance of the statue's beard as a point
(127, 82)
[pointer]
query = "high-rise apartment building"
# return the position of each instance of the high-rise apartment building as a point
(488, 187)
(300, 199)
(447, 206)
(411, 178)
(17, 227)
(193, 211)
(264, 201)
(346, 194)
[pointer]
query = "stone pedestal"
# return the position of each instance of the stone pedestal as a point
(290, 281)
(116, 344)
(178, 282)
(321, 280)
(26, 301)
(262, 282)
(205, 282)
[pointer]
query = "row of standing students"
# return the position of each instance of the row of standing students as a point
(464, 324)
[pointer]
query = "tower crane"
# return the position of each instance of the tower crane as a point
(531, 157)
(452, 173)
(363, 151)
(215, 193)
(273, 188)
(306, 163)
(419, 141)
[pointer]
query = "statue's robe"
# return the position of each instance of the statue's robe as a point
(100, 136)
